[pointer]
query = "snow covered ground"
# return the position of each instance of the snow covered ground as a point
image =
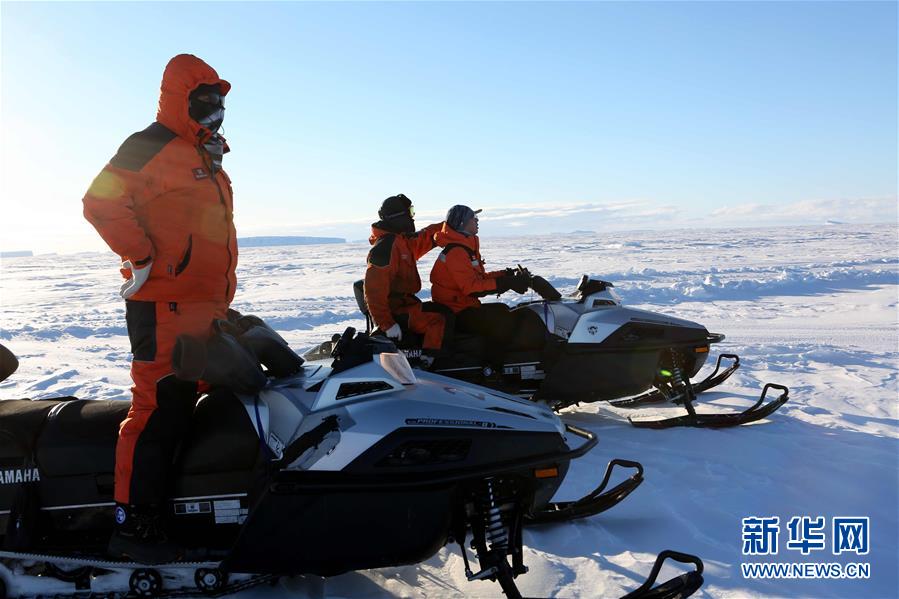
(811, 308)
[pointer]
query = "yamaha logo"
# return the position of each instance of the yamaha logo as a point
(19, 475)
(592, 329)
(120, 515)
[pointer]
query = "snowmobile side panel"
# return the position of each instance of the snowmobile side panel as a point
(581, 376)
(309, 530)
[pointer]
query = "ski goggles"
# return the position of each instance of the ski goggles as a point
(212, 98)
(409, 211)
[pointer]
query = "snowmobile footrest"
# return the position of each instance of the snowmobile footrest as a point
(679, 586)
(756, 412)
(596, 501)
(656, 396)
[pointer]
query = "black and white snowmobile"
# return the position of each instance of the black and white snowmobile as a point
(364, 464)
(590, 347)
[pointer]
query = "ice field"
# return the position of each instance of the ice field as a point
(813, 308)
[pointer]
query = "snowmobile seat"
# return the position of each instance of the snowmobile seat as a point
(80, 436)
(22, 422)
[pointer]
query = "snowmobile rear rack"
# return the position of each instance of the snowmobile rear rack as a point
(680, 586)
(595, 501)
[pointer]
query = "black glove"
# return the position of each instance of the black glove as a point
(517, 282)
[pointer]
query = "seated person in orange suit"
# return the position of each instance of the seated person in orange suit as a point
(391, 277)
(459, 278)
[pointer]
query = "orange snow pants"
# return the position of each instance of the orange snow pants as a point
(425, 320)
(161, 405)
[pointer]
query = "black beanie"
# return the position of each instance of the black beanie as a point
(394, 207)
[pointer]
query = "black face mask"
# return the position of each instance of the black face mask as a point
(207, 107)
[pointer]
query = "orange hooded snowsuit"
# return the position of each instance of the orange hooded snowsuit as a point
(459, 276)
(160, 200)
(392, 280)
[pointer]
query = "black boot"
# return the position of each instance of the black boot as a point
(139, 536)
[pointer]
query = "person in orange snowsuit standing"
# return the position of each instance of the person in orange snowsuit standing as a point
(165, 206)
(459, 278)
(392, 280)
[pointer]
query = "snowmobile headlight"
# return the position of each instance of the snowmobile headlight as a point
(397, 366)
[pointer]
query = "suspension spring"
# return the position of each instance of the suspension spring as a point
(677, 375)
(494, 530)
(682, 382)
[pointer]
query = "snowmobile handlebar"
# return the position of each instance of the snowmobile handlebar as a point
(538, 284)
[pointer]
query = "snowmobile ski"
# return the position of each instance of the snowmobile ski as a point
(598, 500)
(497, 536)
(756, 412)
(680, 586)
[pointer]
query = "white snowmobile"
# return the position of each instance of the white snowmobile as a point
(589, 347)
(308, 470)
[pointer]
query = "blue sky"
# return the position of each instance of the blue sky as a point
(552, 116)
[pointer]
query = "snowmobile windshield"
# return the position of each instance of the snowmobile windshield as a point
(397, 366)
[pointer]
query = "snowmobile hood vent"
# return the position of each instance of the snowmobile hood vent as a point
(513, 412)
(361, 388)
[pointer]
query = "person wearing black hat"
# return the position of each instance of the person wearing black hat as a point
(459, 278)
(392, 280)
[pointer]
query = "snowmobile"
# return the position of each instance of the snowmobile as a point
(309, 470)
(592, 348)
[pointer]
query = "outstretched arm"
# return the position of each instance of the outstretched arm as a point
(422, 241)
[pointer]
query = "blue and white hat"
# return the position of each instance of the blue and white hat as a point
(458, 215)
